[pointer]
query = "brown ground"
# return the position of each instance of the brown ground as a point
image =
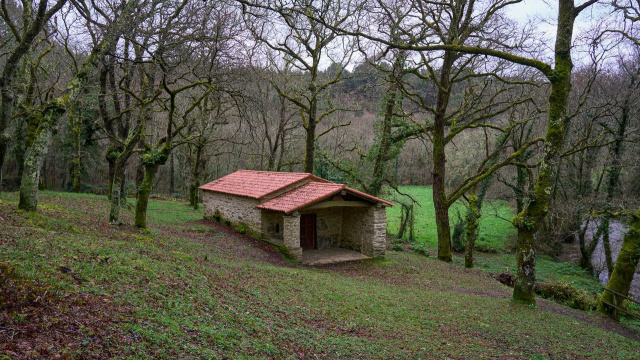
(38, 321)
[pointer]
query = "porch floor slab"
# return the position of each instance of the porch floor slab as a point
(330, 256)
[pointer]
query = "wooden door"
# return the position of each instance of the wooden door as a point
(308, 231)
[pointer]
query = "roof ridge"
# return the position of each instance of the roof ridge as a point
(311, 193)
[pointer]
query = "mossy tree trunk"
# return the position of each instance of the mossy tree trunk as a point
(119, 168)
(118, 177)
(614, 170)
(471, 227)
(474, 207)
(439, 159)
(75, 123)
(625, 267)
(530, 219)
(56, 107)
(152, 159)
(112, 157)
(34, 160)
(32, 21)
(156, 156)
(384, 142)
(194, 181)
(144, 190)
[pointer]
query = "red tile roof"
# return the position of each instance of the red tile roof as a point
(301, 196)
(257, 184)
(311, 193)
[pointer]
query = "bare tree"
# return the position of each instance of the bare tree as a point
(25, 29)
(51, 111)
(302, 47)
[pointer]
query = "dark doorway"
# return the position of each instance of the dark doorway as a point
(308, 231)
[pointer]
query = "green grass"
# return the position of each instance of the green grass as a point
(547, 270)
(493, 228)
(192, 290)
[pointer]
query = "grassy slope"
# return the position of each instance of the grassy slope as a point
(494, 229)
(193, 289)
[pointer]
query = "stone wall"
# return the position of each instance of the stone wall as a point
(379, 241)
(364, 230)
(328, 226)
(291, 236)
(237, 209)
(272, 224)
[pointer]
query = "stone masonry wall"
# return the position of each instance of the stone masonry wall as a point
(356, 229)
(364, 230)
(379, 241)
(237, 209)
(272, 224)
(291, 236)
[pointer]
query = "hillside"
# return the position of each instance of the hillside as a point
(73, 286)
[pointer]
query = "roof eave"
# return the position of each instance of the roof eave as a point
(227, 193)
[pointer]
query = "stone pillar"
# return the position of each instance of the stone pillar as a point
(379, 240)
(291, 235)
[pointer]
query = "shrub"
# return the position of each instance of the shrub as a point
(242, 228)
(568, 295)
(485, 248)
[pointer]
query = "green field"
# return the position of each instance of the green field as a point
(74, 286)
(494, 228)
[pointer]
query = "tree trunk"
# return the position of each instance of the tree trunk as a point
(172, 174)
(474, 208)
(144, 190)
(384, 145)
(586, 251)
(439, 160)
(56, 107)
(139, 175)
(6, 111)
(116, 192)
(440, 201)
(613, 180)
(76, 154)
(32, 166)
(471, 228)
(282, 120)
(524, 288)
(193, 194)
(625, 267)
(118, 180)
(606, 243)
(112, 167)
(521, 185)
(311, 137)
(194, 181)
(530, 219)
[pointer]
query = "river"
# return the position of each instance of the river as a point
(571, 252)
